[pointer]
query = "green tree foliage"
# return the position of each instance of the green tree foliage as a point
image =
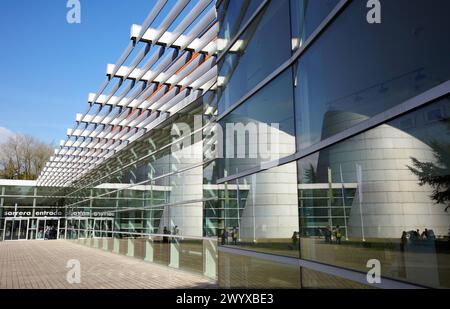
(436, 174)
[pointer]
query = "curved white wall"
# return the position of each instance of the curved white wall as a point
(392, 200)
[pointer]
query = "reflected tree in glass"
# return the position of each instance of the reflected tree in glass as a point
(436, 175)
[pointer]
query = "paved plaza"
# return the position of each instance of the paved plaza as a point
(42, 265)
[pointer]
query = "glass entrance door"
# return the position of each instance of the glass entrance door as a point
(16, 229)
(47, 228)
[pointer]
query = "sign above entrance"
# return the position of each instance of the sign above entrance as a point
(56, 213)
(17, 214)
(44, 213)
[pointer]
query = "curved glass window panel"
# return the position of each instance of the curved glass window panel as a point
(261, 129)
(187, 185)
(232, 16)
(356, 70)
(260, 212)
(257, 274)
(383, 194)
(306, 16)
(212, 221)
(263, 47)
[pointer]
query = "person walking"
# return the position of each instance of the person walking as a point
(225, 237)
(338, 234)
(234, 236)
(52, 233)
(417, 235)
(295, 241)
(328, 234)
(166, 232)
(46, 233)
(424, 235)
(222, 237)
(403, 241)
(403, 248)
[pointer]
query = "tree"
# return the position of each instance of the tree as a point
(436, 175)
(23, 157)
(310, 174)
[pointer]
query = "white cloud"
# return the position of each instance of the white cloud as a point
(5, 134)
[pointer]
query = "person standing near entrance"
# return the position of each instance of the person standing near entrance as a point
(54, 233)
(46, 232)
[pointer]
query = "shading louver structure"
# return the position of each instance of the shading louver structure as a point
(166, 66)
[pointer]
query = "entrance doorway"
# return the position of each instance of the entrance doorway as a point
(47, 228)
(16, 229)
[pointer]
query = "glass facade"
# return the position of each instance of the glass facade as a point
(323, 145)
(26, 210)
(154, 185)
(352, 187)
(268, 118)
(375, 195)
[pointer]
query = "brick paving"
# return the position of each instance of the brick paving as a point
(42, 265)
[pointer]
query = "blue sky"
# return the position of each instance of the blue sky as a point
(48, 66)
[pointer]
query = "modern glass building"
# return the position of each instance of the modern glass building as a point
(268, 144)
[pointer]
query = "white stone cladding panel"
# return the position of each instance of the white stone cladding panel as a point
(393, 201)
(273, 220)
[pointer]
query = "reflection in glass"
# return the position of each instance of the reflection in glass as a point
(354, 70)
(249, 61)
(238, 271)
(268, 121)
(232, 15)
(317, 280)
(381, 195)
(306, 16)
(261, 213)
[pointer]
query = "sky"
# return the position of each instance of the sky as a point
(49, 66)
